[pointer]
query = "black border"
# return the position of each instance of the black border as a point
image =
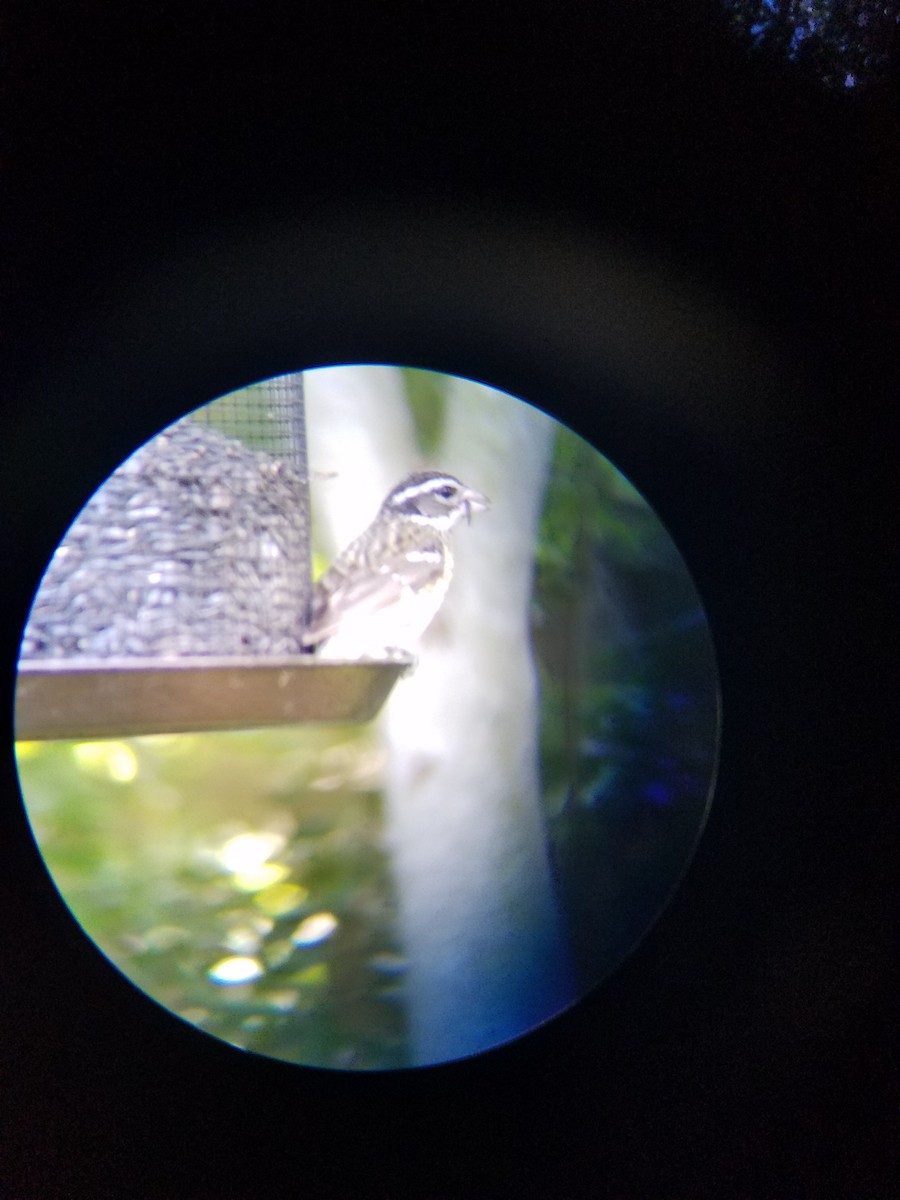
(190, 192)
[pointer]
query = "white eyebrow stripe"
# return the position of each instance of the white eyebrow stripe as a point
(423, 556)
(424, 485)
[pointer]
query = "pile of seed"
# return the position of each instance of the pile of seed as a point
(194, 546)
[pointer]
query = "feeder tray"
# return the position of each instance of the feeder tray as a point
(131, 697)
(174, 602)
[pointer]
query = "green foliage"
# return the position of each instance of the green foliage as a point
(628, 703)
(426, 396)
(186, 853)
(588, 503)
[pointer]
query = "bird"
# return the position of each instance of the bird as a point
(383, 591)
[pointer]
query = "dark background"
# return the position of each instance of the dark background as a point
(746, 1048)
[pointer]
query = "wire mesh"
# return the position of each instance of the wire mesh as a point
(198, 544)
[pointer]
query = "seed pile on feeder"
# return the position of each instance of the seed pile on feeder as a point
(193, 546)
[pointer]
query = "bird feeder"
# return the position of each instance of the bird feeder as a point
(176, 601)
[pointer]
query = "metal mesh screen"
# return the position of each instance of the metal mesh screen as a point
(266, 416)
(198, 544)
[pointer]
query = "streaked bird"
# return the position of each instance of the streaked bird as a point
(383, 591)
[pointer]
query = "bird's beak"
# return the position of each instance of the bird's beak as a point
(474, 502)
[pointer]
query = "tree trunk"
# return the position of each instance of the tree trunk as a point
(486, 957)
(480, 924)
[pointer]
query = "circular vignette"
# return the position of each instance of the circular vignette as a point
(439, 883)
(647, 366)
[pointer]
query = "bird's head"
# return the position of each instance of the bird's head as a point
(433, 498)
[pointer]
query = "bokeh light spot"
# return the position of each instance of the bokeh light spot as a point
(116, 760)
(317, 928)
(235, 969)
(260, 877)
(246, 851)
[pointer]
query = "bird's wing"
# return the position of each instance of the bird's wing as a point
(365, 591)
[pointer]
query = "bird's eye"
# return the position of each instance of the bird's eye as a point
(446, 492)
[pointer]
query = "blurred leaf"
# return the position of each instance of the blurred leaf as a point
(425, 392)
(156, 868)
